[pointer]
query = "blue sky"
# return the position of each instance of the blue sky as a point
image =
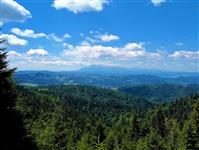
(70, 34)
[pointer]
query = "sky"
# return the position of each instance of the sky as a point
(61, 35)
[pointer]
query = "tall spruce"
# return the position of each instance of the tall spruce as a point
(13, 134)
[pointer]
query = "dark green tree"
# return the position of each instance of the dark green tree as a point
(193, 129)
(158, 122)
(135, 128)
(12, 134)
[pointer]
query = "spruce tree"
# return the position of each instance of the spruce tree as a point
(135, 128)
(193, 129)
(12, 134)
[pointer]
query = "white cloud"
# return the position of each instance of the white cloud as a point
(68, 46)
(96, 37)
(13, 54)
(108, 37)
(54, 37)
(27, 33)
(39, 52)
(78, 6)
(59, 62)
(13, 11)
(67, 36)
(45, 63)
(157, 2)
(134, 46)
(185, 54)
(13, 40)
(85, 51)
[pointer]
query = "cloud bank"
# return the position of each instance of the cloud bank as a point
(86, 51)
(185, 54)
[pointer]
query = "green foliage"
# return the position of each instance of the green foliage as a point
(89, 118)
(12, 132)
(161, 93)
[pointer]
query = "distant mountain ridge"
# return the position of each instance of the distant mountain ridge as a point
(112, 70)
(161, 93)
(108, 77)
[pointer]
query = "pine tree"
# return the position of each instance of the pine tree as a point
(135, 129)
(173, 140)
(158, 122)
(193, 129)
(12, 134)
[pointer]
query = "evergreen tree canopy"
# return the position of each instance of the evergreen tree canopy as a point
(13, 134)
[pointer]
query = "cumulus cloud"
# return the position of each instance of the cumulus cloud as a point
(108, 37)
(66, 36)
(13, 54)
(39, 52)
(13, 11)
(134, 46)
(96, 37)
(157, 2)
(185, 54)
(27, 33)
(78, 6)
(85, 51)
(13, 40)
(55, 38)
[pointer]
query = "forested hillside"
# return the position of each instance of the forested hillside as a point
(62, 117)
(41, 78)
(83, 118)
(13, 133)
(99, 74)
(161, 93)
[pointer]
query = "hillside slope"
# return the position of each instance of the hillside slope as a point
(88, 118)
(61, 115)
(161, 92)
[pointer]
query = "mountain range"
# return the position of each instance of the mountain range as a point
(109, 77)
